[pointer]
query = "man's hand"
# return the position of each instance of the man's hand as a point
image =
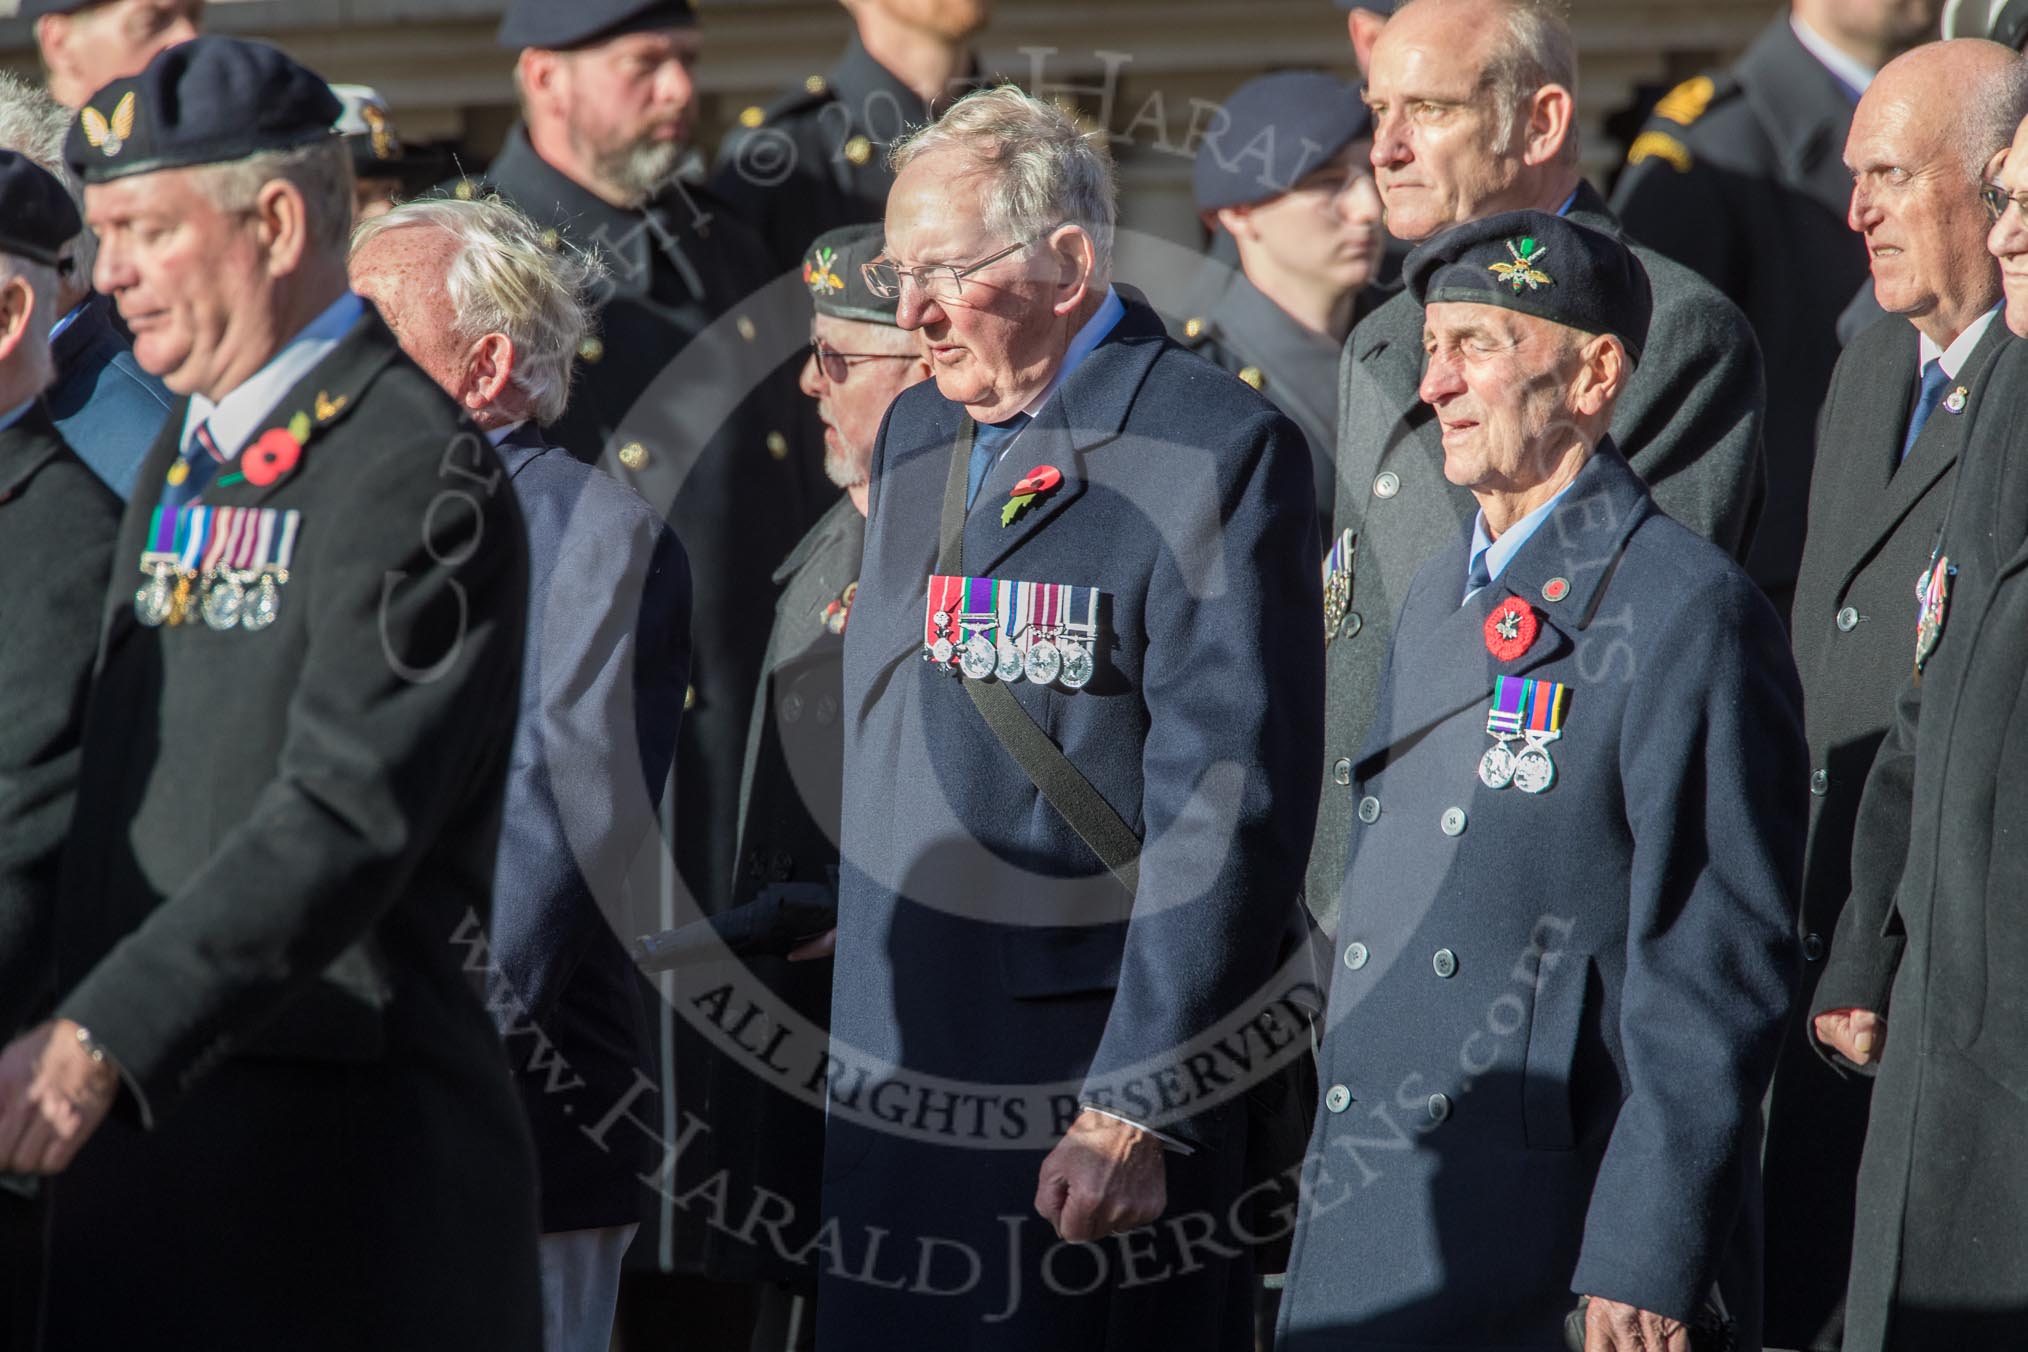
(823, 946)
(1858, 1035)
(1612, 1327)
(1104, 1177)
(53, 1095)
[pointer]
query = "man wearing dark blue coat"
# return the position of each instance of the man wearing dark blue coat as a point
(1566, 941)
(602, 680)
(1121, 601)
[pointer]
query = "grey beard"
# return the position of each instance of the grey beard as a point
(640, 170)
(845, 471)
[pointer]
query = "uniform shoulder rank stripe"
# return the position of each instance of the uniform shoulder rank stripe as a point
(226, 565)
(1686, 103)
(1532, 711)
(1659, 145)
(983, 628)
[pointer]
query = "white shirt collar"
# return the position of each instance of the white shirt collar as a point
(234, 418)
(1852, 72)
(1953, 358)
(13, 415)
(1109, 313)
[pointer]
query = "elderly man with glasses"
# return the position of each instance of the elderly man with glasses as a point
(1083, 692)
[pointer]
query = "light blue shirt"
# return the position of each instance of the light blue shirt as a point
(235, 418)
(1108, 315)
(1500, 552)
(56, 331)
(13, 415)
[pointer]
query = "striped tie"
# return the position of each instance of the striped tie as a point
(193, 469)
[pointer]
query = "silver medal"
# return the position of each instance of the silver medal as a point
(1077, 665)
(1534, 772)
(258, 611)
(941, 650)
(1496, 767)
(1008, 665)
(943, 619)
(979, 658)
(152, 601)
(1045, 663)
(224, 600)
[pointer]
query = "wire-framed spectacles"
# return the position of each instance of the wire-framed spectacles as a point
(1996, 199)
(939, 282)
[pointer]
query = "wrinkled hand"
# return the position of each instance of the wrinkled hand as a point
(1610, 1326)
(1858, 1035)
(823, 946)
(53, 1096)
(1104, 1177)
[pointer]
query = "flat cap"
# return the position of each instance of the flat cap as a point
(1540, 265)
(1277, 129)
(831, 271)
(37, 217)
(206, 101)
(558, 25)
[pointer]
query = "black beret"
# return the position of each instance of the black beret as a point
(206, 101)
(558, 25)
(831, 271)
(37, 217)
(1277, 129)
(35, 9)
(1540, 265)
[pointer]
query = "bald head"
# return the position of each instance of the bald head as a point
(1923, 139)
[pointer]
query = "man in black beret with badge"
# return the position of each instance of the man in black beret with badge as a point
(1566, 952)
(278, 1112)
(1286, 176)
(57, 522)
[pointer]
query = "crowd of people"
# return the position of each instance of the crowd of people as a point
(621, 752)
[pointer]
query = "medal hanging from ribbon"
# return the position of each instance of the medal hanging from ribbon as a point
(1337, 584)
(1043, 632)
(1932, 595)
(226, 565)
(1532, 711)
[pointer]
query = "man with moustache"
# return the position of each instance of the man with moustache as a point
(89, 43)
(1286, 178)
(1918, 991)
(1737, 175)
(1566, 954)
(1474, 114)
(266, 1063)
(1892, 432)
(816, 157)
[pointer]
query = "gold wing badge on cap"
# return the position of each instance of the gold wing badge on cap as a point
(109, 134)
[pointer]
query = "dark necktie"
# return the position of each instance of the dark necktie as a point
(1933, 382)
(1478, 577)
(199, 461)
(987, 443)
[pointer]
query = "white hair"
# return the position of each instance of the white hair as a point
(509, 276)
(1538, 51)
(1992, 108)
(42, 280)
(321, 170)
(33, 125)
(1047, 172)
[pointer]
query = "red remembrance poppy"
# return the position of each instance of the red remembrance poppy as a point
(1511, 629)
(1041, 479)
(268, 459)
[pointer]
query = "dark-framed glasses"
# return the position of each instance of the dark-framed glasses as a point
(1996, 199)
(837, 366)
(939, 282)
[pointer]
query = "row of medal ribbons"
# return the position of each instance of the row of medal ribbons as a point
(226, 565)
(1043, 632)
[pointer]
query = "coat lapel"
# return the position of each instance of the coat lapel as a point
(320, 401)
(1804, 109)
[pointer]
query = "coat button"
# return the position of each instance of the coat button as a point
(1453, 822)
(1820, 782)
(689, 698)
(633, 455)
(1337, 1098)
(1444, 962)
(1356, 955)
(858, 150)
(1350, 625)
(1813, 947)
(1369, 809)
(778, 446)
(592, 350)
(1387, 484)
(1848, 620)
(827, 710)
(1439, 1107)
(1341, 770)
(792, 707)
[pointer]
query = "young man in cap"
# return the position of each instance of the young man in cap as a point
(267, 1065)
(57, 523)
(86, 44)
(816, 157)
(1286, 177)
(1566, 952)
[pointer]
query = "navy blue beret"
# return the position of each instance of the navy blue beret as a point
(35, 9)
(206, 101)
(831, 271)
(1277, 129)
(1540, 265)
(37, 217)
(558, 25)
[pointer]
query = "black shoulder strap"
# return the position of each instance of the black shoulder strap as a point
(1061, 783)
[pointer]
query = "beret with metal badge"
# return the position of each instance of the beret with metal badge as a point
(831, 271)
